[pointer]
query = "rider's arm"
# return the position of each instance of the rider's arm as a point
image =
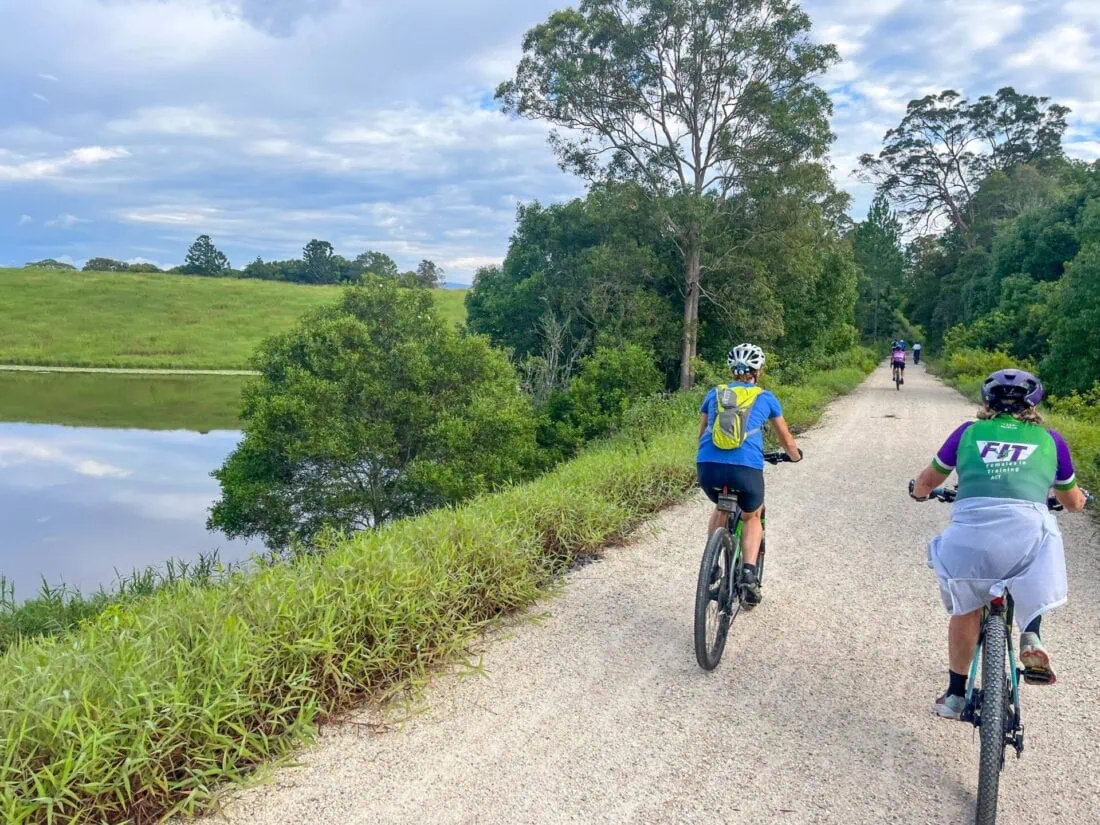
(929, 479)
(710, 400)
(1067, 492)
(786, 440)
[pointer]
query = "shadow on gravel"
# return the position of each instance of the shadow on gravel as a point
(815, 734)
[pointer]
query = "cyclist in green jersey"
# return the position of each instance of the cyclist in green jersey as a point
(1001, 536)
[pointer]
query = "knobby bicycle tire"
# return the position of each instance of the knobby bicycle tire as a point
(719, 550)
(994, 711)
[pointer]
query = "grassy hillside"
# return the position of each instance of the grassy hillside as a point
(128, 320)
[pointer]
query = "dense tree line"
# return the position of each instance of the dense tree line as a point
(1006, 251)
(710, 218)
(319, 264)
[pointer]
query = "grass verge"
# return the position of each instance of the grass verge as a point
(153, 703)
(112, 319)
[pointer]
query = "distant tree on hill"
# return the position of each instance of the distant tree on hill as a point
(48, 263)
(203, 258)
(105, 265)
(318, 263)
(377, 263)
(143, 267)
(429, 274)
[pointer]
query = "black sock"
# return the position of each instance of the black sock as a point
(1034, 626)
(956, 685)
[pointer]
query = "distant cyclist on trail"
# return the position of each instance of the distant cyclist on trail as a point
(916, 353)
(897, 362)
(731, 449)
(1001, 534)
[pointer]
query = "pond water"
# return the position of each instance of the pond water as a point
(79, 502)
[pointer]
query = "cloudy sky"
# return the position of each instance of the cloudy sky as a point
(127, 127)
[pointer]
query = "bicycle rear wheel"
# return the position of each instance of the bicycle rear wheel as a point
(716, 602)
(994, 712)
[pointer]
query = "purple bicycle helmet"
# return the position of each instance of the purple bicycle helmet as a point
(1011, 391)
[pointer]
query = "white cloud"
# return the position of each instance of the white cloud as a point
(47, 76)
(175, 120)
(65, 221)
(24, 219)
(1066, 48)
(371, 123)
(37, 96)
(46, 168)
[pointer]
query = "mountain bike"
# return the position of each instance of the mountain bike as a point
(719, 595)
(994, 706)
(899, 378)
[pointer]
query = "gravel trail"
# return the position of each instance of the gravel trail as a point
(819, 712)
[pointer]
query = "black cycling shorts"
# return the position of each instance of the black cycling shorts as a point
(900, 366)
(747, 482)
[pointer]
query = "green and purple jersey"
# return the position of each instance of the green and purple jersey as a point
(1006, 458)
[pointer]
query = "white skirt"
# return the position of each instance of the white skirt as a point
(993, 545)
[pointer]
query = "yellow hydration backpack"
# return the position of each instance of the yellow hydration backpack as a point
(731, 417)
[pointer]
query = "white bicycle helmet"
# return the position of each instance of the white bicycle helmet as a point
(745, 357)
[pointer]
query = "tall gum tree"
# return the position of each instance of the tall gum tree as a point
(688, 98)
(932, 164)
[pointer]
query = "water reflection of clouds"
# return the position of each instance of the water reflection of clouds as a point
(16, 451)
(78, 503)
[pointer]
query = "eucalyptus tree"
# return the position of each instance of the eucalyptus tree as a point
(690, 99)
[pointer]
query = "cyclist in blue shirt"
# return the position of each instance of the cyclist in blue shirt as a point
(742, 469)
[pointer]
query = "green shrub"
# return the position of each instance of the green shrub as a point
(1084, 407)
(610, 381)
(371, 410)
(972, 362)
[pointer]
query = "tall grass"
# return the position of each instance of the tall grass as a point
(55, 610)
(152, 703)
(106, 319)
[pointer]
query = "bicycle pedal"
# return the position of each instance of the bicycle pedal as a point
(1039, 677)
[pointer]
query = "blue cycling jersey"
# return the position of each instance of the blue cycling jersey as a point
(751, 453)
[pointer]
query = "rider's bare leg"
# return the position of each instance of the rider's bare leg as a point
(962, 639)
(752, 531)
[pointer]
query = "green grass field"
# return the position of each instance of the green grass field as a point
(155, 321)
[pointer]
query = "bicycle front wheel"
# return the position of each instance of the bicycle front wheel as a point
(715, 599)
(993, 714)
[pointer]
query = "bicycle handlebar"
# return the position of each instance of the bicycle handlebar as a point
(949, 494)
